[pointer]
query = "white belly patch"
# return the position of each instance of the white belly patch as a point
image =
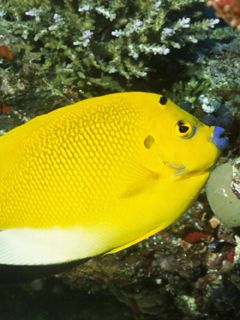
(28, 246)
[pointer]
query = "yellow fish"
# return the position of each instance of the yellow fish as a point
(99, 176)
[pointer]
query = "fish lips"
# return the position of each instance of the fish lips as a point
(219, 139)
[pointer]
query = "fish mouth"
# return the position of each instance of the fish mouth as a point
(182, 171)
(219, 138)
(180, 168)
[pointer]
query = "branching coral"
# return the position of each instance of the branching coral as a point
(212, 89)
(66, 50)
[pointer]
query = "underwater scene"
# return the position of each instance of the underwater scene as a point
(119, 159)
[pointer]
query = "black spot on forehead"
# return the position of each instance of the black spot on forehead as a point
(163, 100)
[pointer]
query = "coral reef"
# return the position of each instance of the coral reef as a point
(56, 52)
(229, 10)
(211, 89)
(191, 269)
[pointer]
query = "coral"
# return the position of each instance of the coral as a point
(210, 89)
(57, 52)
(223, 193)
(191, 269)
(229, 10)
(235, 184)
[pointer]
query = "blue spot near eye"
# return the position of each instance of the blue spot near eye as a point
(220, 141)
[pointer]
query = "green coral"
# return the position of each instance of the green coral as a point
(216, 81)
(67, 50)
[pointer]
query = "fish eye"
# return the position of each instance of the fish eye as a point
(163, 100)
(185, 129)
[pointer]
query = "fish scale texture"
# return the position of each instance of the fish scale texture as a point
(75, 157)
(98, 176)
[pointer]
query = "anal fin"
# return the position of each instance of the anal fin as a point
(21, 274)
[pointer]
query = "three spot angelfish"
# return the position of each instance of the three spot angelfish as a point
(98, 176)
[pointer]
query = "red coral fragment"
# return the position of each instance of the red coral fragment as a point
(6, 52)
(6, 109)
(196, 236)
(229, 10)
(231, 255)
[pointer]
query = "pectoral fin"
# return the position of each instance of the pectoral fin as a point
(140, 180)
